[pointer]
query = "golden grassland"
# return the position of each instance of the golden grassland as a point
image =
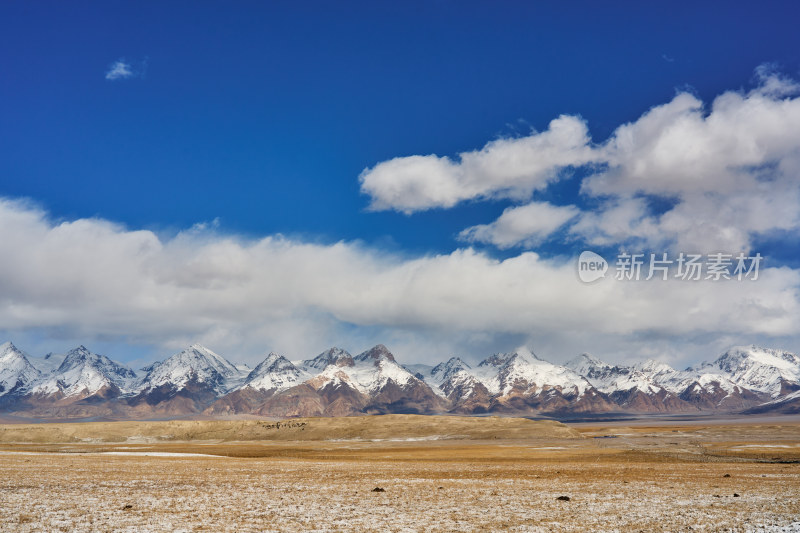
(296, 429)
(437, 474)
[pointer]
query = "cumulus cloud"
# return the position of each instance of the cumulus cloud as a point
(92, 279)
(526, 225)
(504, 168)
(730, 171)
(121, 69)
(679, 149)
(727, 174)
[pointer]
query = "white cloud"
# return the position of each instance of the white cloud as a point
(731, 172)
(122, 69)
(676, 149)
(505, 168)
(527, 225)
(618, 220)
(728, 174)
(91, 279)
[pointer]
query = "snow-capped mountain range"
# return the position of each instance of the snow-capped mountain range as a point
(197, 380)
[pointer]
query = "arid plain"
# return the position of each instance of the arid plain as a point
(401, 473)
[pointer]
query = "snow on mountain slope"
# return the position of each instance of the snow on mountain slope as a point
(608, 379)
(786, 404)
(758, 369)
(648, 376)
(454, 375)
(368, 372)
(332, 356)
(374, 368)
(48, 363)
(449, 369)
(196, 363)
(733, 381)
(654, 377)
(83, 373)
(16, 371)
(655, 369)
(275, 373)
(502, 373)
(682, 382)
(740, 370)
(338, 383)
(588, 366)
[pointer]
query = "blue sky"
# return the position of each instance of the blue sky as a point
(228, 125)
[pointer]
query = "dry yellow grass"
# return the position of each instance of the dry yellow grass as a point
(297, 429)
(664, 478)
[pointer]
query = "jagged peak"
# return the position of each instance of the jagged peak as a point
(589, 357)
(8, 349)
(497, 359)
(83, 357)
(197, 347)
(377, 353)
(271, 356)
(522, 354)
(194, 359)
(758, 353)
(653, 366)
(77, 356)
(449, 368)
(274, 362)
(331, 356)
(8, 345)
(453, 362)
(205, 353)
(740, 358)
(584, 359)
(81, 350)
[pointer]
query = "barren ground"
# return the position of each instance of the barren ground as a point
(456, 475)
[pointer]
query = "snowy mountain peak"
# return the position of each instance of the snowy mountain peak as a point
(589, 358)
(273, 363)
(496, 360)
(83, 373)
(585, 364)
(502, 373)
(376, 353)
(219, 363)
(758, 369)
(653, 367)
(15, 369)
(444, 370)
(76, 356)
(744, 355)
(7, 347)
(82, 358)
(194, 363)
(332, 356)
(275, 372)
(519, 356)
(368, 372)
